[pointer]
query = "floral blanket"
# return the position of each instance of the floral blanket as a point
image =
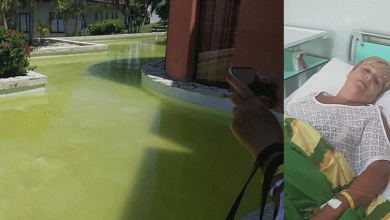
(315, 172)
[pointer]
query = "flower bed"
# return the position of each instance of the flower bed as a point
(14, 54)
(16, 74)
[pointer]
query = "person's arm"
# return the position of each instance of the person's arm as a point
(254, 125)
(274, 103)
(364, 188)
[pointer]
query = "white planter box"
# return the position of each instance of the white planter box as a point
(31, 82)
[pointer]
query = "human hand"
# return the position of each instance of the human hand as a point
(273, 103)
(253, 124)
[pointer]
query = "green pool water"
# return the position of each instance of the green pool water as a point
(98, 145)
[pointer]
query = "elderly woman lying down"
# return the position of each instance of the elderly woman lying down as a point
(350, 123)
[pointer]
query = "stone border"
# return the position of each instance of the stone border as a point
(84, 47)
(99, 37)
(33, 81)
(79, 48)
(153, 77)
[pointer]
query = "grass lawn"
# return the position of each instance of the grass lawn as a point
(158, 27)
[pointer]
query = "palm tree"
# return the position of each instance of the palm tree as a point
(43, 29)
(5, 6)
(32, 5)
(161, 8)
(71, 9)
(78, 9)
(16, 6)
(134, 11)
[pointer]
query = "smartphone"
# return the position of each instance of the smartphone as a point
(248, 76)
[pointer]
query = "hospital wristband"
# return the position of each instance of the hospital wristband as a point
(349, 198)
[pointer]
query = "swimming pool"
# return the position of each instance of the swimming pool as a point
(97, 145)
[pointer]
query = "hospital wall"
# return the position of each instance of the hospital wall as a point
(338, 18)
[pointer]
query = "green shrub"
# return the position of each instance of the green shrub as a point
(85, 32)
(43, 29)
(14, 54)
(110, 26)
(147, 20)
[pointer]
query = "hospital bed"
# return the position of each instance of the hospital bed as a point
(298, 66)
(332, 76)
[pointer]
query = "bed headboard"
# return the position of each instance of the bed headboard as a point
(363, 44)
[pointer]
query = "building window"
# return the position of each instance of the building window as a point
(96, 15)
(83, 24)
(112, 15)
(116, 15)
(217, 36)
(106, 15)
(57, 22)
(24, 22)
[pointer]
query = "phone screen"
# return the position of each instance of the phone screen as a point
(244, 74)
(248, 76)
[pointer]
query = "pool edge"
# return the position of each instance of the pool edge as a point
(154, 78)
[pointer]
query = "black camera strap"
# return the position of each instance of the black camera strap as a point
(271, 150)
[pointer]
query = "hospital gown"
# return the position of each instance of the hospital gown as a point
(356, 131)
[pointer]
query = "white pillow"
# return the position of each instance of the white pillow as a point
(330, 79)
(384, 104)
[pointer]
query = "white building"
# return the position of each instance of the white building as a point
(46, 12)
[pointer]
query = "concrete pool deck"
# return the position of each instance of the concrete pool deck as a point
(69, 46)
(116, 36)
(76, 45)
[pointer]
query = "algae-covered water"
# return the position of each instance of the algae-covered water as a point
(97, 145)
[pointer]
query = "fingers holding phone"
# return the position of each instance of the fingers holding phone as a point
(275, 102)
(266, 87)
(250, 78)
(241, 93)
(252, 123)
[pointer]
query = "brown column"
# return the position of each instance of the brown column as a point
(259, 42)
(181, 45)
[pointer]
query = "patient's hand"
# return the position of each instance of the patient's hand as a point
(253, 124)
(273, 103)
(364, 188)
